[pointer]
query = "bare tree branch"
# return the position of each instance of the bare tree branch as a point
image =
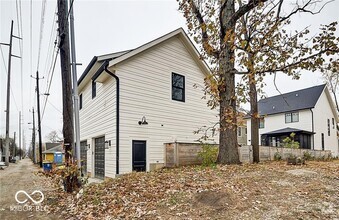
(203, 27)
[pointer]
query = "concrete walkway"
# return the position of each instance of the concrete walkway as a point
(20, 176)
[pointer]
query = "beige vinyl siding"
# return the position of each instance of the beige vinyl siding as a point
(145, 90)
(97, 119)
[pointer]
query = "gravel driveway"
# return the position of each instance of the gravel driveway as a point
(20, 176)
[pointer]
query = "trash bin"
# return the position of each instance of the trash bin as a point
(47, 166)
(58, 157)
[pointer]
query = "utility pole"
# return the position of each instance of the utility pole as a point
(33, 138)
(8, 92)
(20, 135)
(75, 89)
(39, 118)
(14, 145)
(66, 79)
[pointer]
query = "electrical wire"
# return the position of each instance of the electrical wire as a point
(3, 59)
(42, 22)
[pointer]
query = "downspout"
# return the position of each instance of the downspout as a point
(312, 128)
(117, 115)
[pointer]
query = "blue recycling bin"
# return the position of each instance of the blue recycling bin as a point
(58, 157)
(47, 166)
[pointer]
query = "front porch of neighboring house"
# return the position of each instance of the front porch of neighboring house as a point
(275, 138)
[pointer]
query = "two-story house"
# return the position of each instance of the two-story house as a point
(134, 101)
(308, 113)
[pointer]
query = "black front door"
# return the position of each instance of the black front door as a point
(139, 155)
(83, 157)
(99, 158)
(322, 141)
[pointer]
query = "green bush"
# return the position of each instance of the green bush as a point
(290, 143)
(208, 155)
(308, 156)
(277, 156)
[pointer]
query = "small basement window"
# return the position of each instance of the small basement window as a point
(178, 87)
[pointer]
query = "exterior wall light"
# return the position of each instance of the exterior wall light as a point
(143, 121)
(107, 144)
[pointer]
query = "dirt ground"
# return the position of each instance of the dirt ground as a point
(271, 190)
(20, 176)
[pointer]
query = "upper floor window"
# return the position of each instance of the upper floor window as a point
(328, 127)
(262, 123)
(333, 122)
(94, 89)
(178, 87)
(80, 101)
(239, 131)
(291, 117)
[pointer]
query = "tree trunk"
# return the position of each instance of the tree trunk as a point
(228, 143)
(66, 79)
(254, 118)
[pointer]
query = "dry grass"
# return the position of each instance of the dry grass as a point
(260, 191)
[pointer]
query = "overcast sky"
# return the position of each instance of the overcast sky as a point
(100, 27)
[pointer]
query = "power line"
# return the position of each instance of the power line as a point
(12, 93)
(50, 82)
(70, 8)
(50, 47)
(42, 21)
(54, 106)
(31, 50)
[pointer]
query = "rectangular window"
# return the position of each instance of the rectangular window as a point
(80, 101)
(328, 127)
(239, 131)
(262, 123)
(94, 89)
(178, 87)
(291, 117)
(333, 122)
(246, 131)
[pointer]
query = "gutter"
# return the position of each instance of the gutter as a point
(117, 115)
(312, 128)
(103, 67)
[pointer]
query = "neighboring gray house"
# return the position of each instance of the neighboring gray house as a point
(157, 88)
(309, 113)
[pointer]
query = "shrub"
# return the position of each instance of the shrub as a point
(307, 156)
(208, 155)
(277, 156)
(290, 143)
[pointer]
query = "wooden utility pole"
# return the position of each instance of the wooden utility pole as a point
(66, 79)
(8, 92)
(39, 118)
(33, 138)
(38, 112)
(14, 145)
(19, 135)
(8, 98)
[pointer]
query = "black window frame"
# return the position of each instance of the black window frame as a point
(177, 87)
(261, 122)
(80, 101)
(291, 117)
(94, 89)
(239, 132)
(328, 127)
